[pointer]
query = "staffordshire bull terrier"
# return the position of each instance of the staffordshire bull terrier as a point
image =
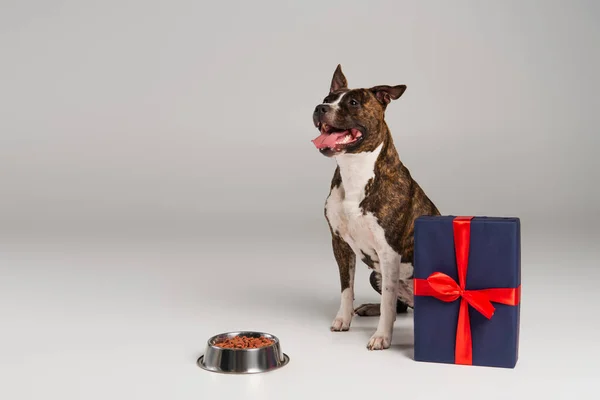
(372, 204)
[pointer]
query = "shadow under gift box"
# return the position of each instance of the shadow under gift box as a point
(494, 261)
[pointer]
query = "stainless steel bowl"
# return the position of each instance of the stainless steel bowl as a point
(242, 361)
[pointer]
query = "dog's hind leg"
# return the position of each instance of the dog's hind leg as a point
(374, 309)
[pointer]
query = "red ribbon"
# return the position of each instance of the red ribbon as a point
(444, 288)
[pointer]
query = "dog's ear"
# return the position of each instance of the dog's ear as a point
(385, 94)
(339, 80)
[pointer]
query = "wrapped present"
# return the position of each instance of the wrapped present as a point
(467, 290)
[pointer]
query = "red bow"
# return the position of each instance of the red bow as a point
(444, 288)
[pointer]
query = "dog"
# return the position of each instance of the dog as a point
(372, 204)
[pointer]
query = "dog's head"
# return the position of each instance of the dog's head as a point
(352, 120)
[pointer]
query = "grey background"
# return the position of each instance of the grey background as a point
(184, 115)
(158, 186)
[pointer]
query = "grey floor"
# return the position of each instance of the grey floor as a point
(126, 316)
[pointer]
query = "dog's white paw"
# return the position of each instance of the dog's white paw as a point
(379, 342)
(341, 324)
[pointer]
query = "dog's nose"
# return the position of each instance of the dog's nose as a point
(322, 109)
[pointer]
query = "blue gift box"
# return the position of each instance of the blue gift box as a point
(494, 261)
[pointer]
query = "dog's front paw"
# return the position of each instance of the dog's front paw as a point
(379, 342)
(341, 324)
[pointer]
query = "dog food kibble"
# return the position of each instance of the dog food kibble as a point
(244, 342)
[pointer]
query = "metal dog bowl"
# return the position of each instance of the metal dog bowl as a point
(242, 361)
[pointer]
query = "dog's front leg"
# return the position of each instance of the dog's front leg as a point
(390, 271)
(346, 261)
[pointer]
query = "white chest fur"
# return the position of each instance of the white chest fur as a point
(361, 231)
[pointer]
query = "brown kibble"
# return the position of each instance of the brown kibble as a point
(245, 342)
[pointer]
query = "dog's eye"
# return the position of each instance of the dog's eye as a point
(353, 102)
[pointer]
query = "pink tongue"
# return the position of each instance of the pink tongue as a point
(328, 139)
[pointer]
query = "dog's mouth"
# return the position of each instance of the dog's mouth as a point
(334, 139)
